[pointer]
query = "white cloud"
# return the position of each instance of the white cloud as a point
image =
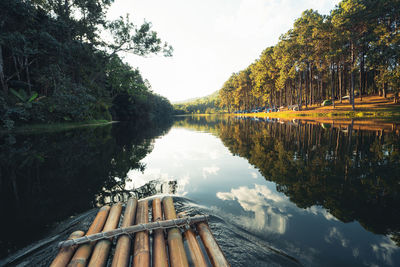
(212, 170)
(254, 175)
(214, 154)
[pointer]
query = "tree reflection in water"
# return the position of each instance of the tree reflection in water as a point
(48, 177)
(354, 174)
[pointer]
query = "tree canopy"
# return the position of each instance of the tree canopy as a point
(202, 105)
(55, 64)
(353, 51)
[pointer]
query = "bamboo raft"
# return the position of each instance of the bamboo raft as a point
(171, 246)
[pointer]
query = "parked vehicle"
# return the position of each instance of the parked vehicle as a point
(327, 102)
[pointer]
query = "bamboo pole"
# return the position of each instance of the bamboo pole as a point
(213, 250)
(83, 252)
(160, 258)
(177, 253)
(64, 255)
(121, 255)
(141, 249)
(102, 248)
(194, 249)
(134, 229)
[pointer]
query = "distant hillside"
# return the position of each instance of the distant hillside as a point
(194, 99)
(202, 105)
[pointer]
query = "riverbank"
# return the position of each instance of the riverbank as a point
(369, 107)
(55, 127)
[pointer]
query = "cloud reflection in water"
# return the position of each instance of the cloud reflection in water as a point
(263, 202)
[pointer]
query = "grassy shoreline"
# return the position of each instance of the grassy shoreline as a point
(55, 127)
(371, 114)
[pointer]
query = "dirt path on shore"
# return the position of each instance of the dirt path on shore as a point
(370, 107)
(368, 103)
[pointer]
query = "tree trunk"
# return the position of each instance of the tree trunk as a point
(333, 83)
(28, 77)
(306, 86)
(292, 92)
(362, 73)
(366, 82)
(340, 77)
(16, 68)
(352, 76)
(375, 88)
(384, 90)
(321, 87)
(300, 90)
(2, 79)
(345, 78)
(318, 92)
(311, 86)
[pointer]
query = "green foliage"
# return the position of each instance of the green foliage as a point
(141, 40)
(23, 96)
(204, 105)
(71, 103)
(54, 66)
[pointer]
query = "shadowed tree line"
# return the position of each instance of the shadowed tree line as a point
(355, 48)
(353, 174)
(48, 177)
(55, 65)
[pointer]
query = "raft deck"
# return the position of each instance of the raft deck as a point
(168, 247)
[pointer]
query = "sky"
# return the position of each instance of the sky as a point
(211, 38)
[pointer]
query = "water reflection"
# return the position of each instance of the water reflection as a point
(352, 173)
(265, 207)
(341, 171)
(48, 177)
(324, 193)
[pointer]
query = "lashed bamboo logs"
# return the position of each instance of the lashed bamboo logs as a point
(83, 252)
(160, 258)
(141, 252)
(194, 249)
(122, 251)
(65, 254)
(102, 248)
(213, 250)
(134, 229)
(176, 249)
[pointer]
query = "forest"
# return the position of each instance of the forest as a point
(56, 64)
(352, 52)
(203, 105)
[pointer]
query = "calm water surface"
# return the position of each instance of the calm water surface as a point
(279, 193)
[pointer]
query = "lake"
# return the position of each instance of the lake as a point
(279, 193)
